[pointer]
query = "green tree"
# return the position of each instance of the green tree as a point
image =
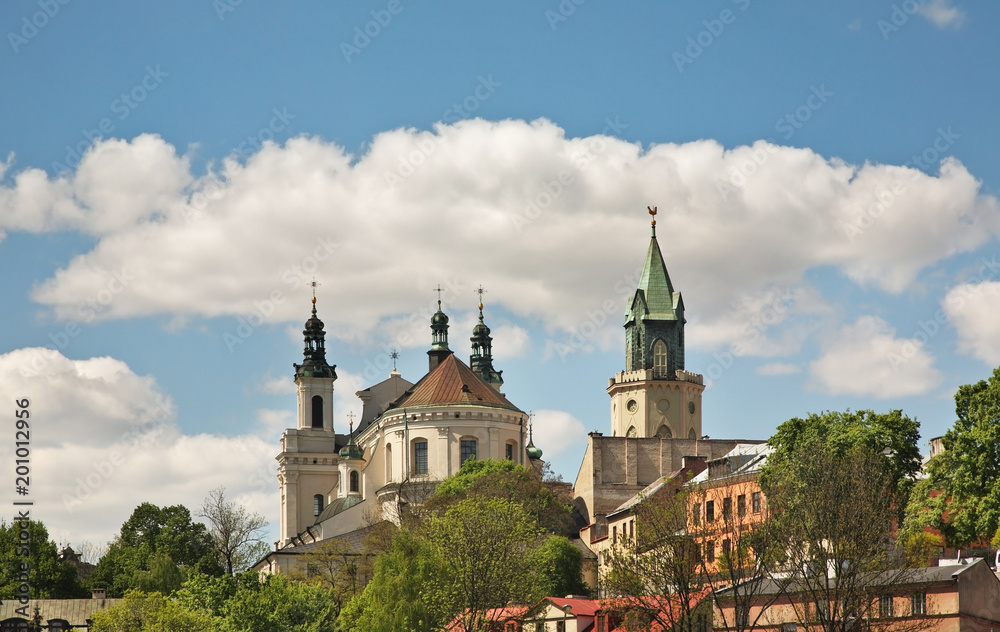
(149, 534)
(834, 509)
(558, 569)
(278, 604)
(485, 549)
(150, 612)
(660, 566)
(892, 437)
(49, 576)
(547, 502)
(236, 533)
(393, 601)
(961, 494)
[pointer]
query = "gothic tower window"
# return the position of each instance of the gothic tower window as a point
(664, 432)
(355, 486)
(317, 411)
(659, 359)
(632, 432)
(317, 504)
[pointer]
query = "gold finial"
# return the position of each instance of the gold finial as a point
(314, 284)
(350, 416)
(480, 291)
(652, 213)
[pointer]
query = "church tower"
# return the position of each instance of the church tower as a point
(481, 360)
(307, 465)
(655, 396)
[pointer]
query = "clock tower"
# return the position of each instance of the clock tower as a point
(654, 396)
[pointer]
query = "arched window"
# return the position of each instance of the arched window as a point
(317, 411)
(420, 456)
(317, 504)
(354, 482)
(467, 450)
(659, 359)
(388, 462)
(632, 432)
(509, 451)
(692, 434)
(664, 432)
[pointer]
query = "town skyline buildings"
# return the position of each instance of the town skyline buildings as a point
(833, 229)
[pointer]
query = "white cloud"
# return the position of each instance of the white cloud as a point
(732, 222)
(867, 358)
(562, 438)
(777, 368)
(942, 13)
(103, 440)
(972, 308)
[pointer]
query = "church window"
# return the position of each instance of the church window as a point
(355, 487)
(388, 461)
(509, 452)
(317, 504)
(664, 432)
(420, 457)
(467, 450)
(659, 359)
(691, 434)
(632, 432)
(317, 411)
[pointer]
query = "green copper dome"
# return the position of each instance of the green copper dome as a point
(534, 453)
(351, 451)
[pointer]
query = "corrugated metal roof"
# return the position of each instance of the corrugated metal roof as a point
(75, 611)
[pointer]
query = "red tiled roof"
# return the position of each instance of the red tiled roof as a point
(452, 382)
(585, 607)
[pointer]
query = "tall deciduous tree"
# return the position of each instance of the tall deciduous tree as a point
(548, 502)
(236, 533)
(395, 598)
(49, 576)
(152, 531)
(835, 510)
(485, 550)
(659, 570)
(892, 436)
(961, 494)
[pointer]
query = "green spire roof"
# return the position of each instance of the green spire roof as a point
(655, 297)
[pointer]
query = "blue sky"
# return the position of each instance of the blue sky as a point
(826, 177)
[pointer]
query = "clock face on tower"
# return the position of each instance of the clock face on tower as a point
(632, 406)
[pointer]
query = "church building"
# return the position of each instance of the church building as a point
(410, 436)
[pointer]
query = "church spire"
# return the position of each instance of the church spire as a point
(655, 315)
(439, 336)
(481, 360)
(314, 362)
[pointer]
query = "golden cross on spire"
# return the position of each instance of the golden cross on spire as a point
(438, 289)
(480, 291)
(314, 284)
(350, 416)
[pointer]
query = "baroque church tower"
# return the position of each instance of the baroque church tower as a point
(307, 468)
(655, 396)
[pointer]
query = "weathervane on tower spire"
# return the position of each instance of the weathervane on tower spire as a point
(652, 214)
(480, 291)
